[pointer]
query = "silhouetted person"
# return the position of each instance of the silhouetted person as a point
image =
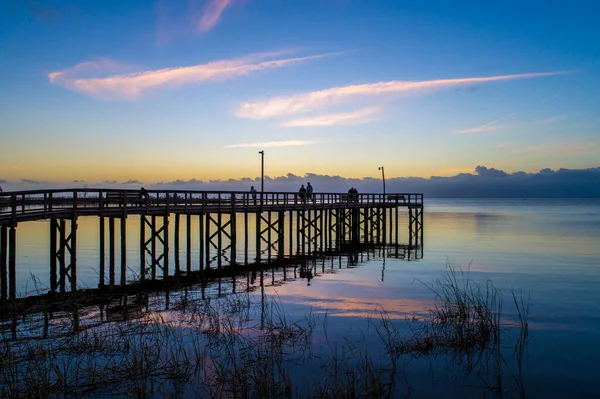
(355, 193)
(253, 193)
(309, 191)
(302, 193)
(351, 194)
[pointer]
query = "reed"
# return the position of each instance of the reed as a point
(246, 346)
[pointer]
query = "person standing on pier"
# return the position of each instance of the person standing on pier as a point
(253, 193)
(302, 193)
(309, 191)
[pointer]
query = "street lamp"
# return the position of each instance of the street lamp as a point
(383, 177)
(262, 172)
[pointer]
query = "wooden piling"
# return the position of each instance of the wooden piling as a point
(12, 262)
(176, 245)
(102, 251)
(53, 254)
(143, 247)
(123, 251)
(111, 252)
(62, 258)
(73, 252)
(188, 243)
(3, 262)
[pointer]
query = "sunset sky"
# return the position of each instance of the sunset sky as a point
(164, 90)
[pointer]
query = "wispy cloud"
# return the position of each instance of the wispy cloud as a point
(129, 86)
(288, 143)
(493, 125)
(211, 14)
(363, 115)
(317, 100)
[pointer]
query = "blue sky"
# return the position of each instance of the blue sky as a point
(188, 90)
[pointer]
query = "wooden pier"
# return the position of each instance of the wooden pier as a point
(281, 225)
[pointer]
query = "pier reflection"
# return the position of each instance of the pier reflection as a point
(47, 316)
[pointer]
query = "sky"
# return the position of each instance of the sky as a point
(187, 92)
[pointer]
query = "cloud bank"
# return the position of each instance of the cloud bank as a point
(484, 182)
(83, 78)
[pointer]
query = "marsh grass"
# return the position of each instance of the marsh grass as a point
(246, 346)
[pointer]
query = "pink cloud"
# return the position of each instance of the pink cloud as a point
(211, 14)
(317, 100)
(359, 116)
(130, 86)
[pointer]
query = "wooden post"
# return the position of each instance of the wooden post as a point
(396, 225)
(123, 251)
(258, 220)
(62, 258)
(298, 248)
(166, 246)
(201, 249)
(102, 254)
(12, 262)
(219, 238)
(269, 242)
(421, 224)
(153, 248)
(111, 252)
(246, 238)
(281, 238)
(53, 253)
(310, 219)
(291, 232)
(410, 227)
(143, 246)
(3, 263)
(207, 241)
(177, 265)
(73, 251)
(188, 243)
(233, 227)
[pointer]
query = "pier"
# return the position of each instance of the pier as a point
(281, 225)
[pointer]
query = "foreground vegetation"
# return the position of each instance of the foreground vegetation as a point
(240, 347)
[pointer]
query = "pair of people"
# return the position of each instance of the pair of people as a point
(306, 193)
(353, 194)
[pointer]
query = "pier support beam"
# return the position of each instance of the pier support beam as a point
(157, 235)
(12, 262)
(123, 251)
(3, 263)
(60, 245)
(102, 253)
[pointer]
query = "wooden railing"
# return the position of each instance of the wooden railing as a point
(43, 204)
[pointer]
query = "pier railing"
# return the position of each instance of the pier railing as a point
(19, 206)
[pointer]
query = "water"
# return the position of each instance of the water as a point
(543, 249)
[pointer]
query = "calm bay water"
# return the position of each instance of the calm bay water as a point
(544, 249)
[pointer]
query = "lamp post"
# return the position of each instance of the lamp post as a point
(383, 177)
(262, 172)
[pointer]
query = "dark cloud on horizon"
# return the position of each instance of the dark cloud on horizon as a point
(131, 181)
(483, 183)
(27, 181)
